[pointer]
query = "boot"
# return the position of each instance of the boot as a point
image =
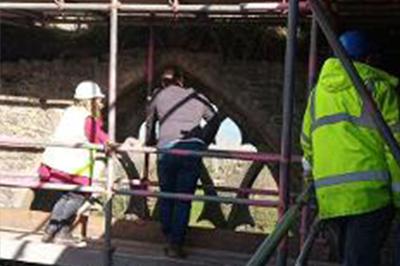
(50, 232)
(175, 251)
(65, 237)
(47, 237)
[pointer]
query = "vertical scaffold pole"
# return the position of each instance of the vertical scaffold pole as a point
(149, 73)
(111, 128)
(313, 54)
(312, 77)
(286, 141)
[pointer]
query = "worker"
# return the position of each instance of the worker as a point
(80, 123)
(351, 165)
(179, 112)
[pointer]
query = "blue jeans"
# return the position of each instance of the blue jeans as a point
(362, 236)
(64, 211)
(178, 174)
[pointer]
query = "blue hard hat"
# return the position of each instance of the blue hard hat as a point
(355, 43)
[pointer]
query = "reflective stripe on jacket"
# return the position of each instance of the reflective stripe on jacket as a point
(352, 166)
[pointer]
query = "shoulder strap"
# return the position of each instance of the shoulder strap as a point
(176, 107)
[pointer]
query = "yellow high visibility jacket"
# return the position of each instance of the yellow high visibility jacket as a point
(353, 169)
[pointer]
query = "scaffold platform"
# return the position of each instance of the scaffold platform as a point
(133, 243)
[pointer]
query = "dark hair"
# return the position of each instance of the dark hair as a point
(172, 75)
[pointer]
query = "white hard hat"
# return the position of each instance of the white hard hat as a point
(88, 90)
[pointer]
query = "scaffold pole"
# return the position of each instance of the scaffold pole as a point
(312, 77)
(267, 248)
(149, 74)
(108, 250)
(245, 8)
(211, 153)
(286, 141)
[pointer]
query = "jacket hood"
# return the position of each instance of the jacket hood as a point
(334, 78)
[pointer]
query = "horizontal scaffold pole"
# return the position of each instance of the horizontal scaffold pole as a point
(156, 8)
(243, 191)
(190, 197)
(7, 142)
(7, 180)
(19, 181)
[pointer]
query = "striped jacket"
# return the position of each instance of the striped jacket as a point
(353, 170)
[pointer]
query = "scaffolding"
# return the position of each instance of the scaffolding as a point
(250, 10)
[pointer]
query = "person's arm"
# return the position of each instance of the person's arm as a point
(151, 120)
(94, 131)
(387, 99)
(211, 128)
(305, 138)
(388, 103)
(213, 119)
(209, 110)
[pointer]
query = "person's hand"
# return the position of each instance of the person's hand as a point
(307, 168)
(111, 147)
(131, 143)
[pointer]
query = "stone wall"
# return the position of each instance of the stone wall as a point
(250, 92)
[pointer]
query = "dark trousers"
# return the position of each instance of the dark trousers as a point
(64, 211)
(362, 236)
(397, 243)
(177, 174)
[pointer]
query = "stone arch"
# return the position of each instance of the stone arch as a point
(248, 92)
(209, 73)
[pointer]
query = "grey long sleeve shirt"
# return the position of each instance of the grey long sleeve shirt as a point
(178, 112)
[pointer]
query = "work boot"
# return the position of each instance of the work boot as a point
(65, 237)
(175, 251)
(47, 237)
(49, 232)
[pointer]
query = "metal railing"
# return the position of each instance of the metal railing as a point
(108, 189)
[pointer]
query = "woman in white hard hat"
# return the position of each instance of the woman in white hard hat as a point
(80, 123)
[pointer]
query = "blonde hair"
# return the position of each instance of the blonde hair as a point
(90, 105)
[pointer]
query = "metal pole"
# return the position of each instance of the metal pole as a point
(304, 224)
(19, 181)
(190, 197)
(268, 192)
(313, 54)
(245, 156)
(320, 11)
(286, 142)
(33, 181)
(312, 75)
(7, 142)
(246, 8)
(305, 251)
(35, 184)
(149, 72)
(111, 129)
(212, 153)
(267, 248)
